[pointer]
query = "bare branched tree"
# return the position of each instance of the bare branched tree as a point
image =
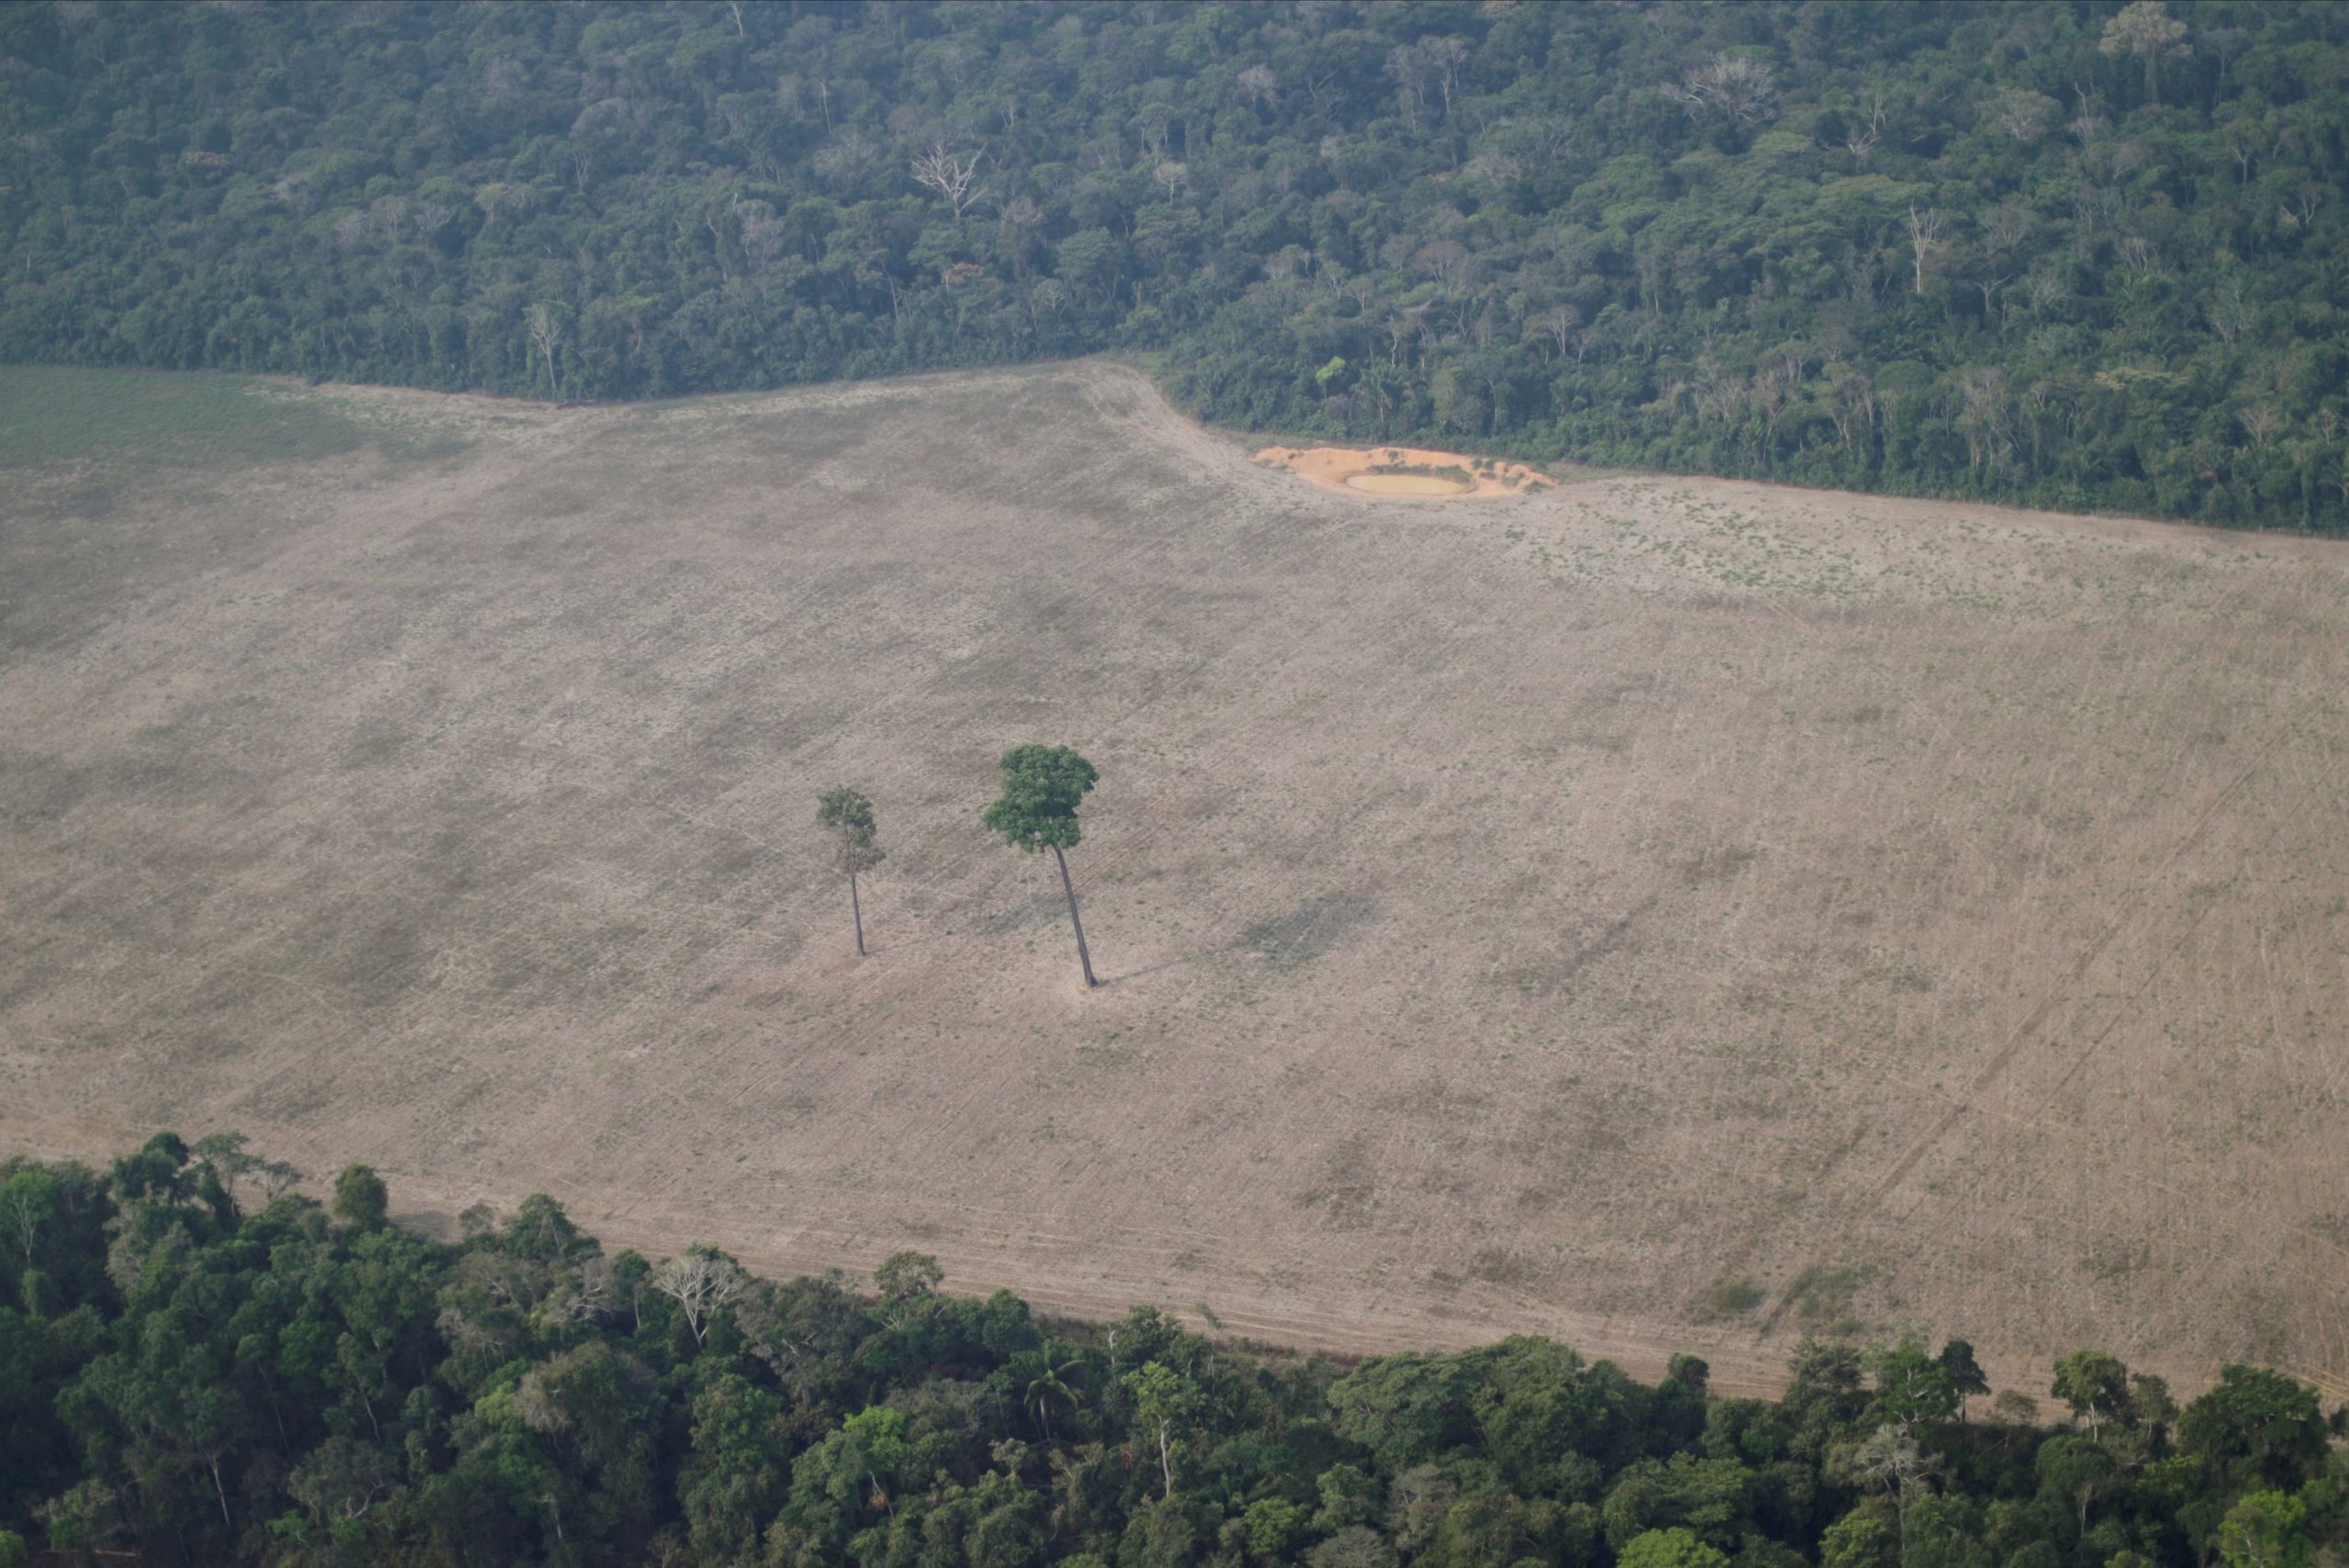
(1735, 84)
(1448, 56)
(2139, 255)
(2024, 114)
(2004, 224)
(545, 332)
(762, 234)
(702, 1282)
(2262, 422)
(1924, 237)
(847, 161)
(1562, 324)
(1409, 69)
(20, 1217)
(1860, 143)
(953, 175)
(2146, 31)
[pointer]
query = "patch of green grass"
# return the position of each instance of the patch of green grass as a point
(1822, 1298)
(161, 419)
(1729, 1298)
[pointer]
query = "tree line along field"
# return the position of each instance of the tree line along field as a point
(2074, 253)
(207, 1363)
(1664, 914)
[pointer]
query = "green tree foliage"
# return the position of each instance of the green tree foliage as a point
(360, 1197)
(1165, 1403)
(1042, 786)
(2258, 1425)
(234, 1377)
(2266, 1530)
(1965, 1375)
(1669, 1549)
(2096, 1385)
(2066, 252)
(1912, 1385)
(846, 816)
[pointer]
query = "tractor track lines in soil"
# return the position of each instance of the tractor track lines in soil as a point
(466, 837)
(2053, 997)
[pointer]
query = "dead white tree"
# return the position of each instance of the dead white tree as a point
(1891, 1458)
(545, 332)
(702, 1282)
(2004, 224)
(1924, 236)
(2139, 256)
(2024, 114)
(2262, 422)
(1562, 324)
(21, 1217)
(1409, 66)
(2230, 313)
(1448, 56)
(953, 175)
(1772, 394)
(1853, 405)
(1735, 84)
(1860, 143)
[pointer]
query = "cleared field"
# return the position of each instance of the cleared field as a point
(1532, 914)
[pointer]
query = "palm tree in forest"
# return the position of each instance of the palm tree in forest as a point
(1045, 1383)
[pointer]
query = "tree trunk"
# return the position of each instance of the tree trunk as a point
(1084, 958)
(1165, 1463)
(856, 908)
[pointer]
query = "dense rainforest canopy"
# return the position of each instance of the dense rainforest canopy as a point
(2078, 254)
(197, 1367)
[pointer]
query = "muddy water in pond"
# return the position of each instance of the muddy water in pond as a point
(1406, 484)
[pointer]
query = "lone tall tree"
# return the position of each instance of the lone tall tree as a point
(847, 815)
(1041, 787)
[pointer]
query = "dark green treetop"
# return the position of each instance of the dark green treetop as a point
(1042, 786)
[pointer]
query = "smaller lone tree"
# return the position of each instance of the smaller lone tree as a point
(847, 815)
(1041, 787)
(360, 1198)
(1966, 1373)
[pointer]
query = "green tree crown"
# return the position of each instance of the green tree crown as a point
(358, 1197)
(1042, 786)
(847, 815)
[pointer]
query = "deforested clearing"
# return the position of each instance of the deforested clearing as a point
(1662, 913)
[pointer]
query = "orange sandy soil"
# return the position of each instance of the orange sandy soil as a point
(1332, 466)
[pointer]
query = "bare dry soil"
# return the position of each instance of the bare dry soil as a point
(1532, 915)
